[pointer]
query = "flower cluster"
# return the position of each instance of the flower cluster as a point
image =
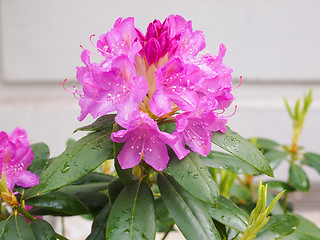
(154, 79)
(15, 156)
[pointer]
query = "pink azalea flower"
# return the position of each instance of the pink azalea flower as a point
(143, 138)
(195, 128)
(151, 78)
(15, 156)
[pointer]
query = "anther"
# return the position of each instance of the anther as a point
(235, 110)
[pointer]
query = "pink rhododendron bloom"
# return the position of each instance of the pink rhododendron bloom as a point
(156, 78)
(143, 136)
(15, 156)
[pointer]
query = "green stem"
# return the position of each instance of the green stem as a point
(25, 213)
(62, 226)
(168, 231)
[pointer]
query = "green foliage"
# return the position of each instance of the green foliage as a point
(188, 212)
(194, 177)
(243, 149)
(128, 218)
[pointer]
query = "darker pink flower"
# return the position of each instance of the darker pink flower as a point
(15, 156)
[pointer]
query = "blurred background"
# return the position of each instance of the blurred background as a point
(273, 44)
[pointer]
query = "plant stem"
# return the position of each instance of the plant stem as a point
(62, 226)
(168, 231)
(25, 213)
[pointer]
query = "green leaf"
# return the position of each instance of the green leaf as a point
(288, 108)
(102, 123)
(60, 203)
(114, 189)
(298, 178)
(243, 149)
(133, 214)
(240, 192)
(42, 230)
(267, 144)
(229, 214)
(98, 230)
(162, 213)
(75, 162)
(169, 127)
(84, 188)
(221, 229)
(229, 162)
(275, 157)
(17, 228)
(188, 212)
(306, 231)
(312, 160)
(280, 186)
(278, 226)
(41, 156)
(93, 201)
(94, 177)
(194, 177)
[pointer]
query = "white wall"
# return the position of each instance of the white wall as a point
(273, 44)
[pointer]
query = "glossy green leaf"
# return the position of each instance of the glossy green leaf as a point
(102, 123)
(189, 213)
(98, 229)
(229, 214)
(280, 186)
(312, 160)
(278, 226)
(61, 203)
(133, 214)
(85, 188)
(275, 157)
(298, 178)
(162, 213)
(169, 127)
(41, 156)
(194, 177)
(93, 201)
(267, 144)
(114, 189)
(124, 174)
(229, 162)
(17, 228)
(75, 162)
(221, 229)
(94, 177)
(306, 231)
(42, 230)
(243, 149)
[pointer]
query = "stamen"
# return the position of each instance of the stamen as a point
(239, 84)
(64, 87)
(93, 35)
(82, 47)
(219, 113)
(235, 110)
(76, 93)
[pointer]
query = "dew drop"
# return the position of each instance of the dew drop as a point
(66, 168)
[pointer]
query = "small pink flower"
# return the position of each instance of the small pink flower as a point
(15, 156)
